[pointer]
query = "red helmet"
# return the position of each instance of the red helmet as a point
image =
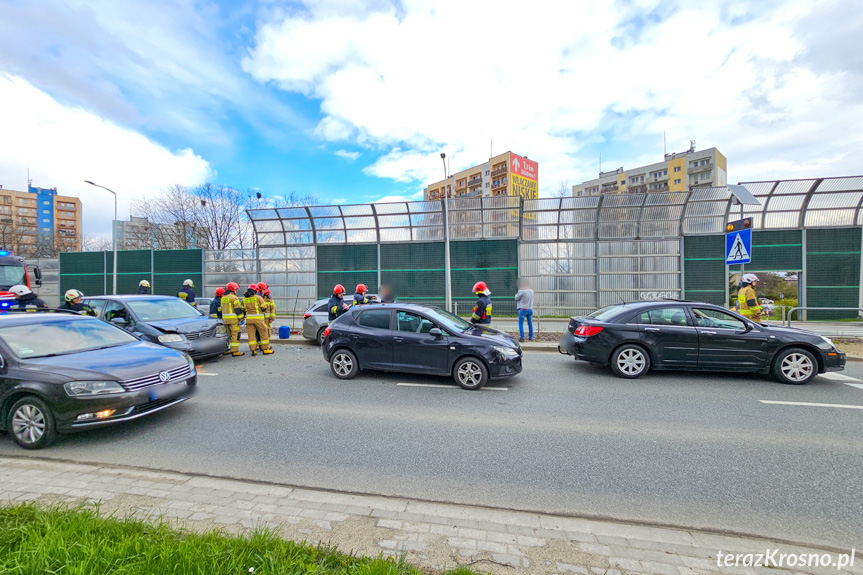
(480, 287)
(262, 286)
(253, 287)
(338, 289)
(220, 292)
(362, 288)
(267, 292)
(232, 286)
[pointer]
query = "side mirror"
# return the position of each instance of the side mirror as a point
(747, 327)
(120, 321)
(436, 332)
(2, 362)
(37, 273)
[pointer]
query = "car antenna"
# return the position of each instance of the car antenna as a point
(620, 298)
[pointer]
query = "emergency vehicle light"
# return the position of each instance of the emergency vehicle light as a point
(4, 253)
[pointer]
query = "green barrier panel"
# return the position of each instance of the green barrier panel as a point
(833, 272)
(704, 268)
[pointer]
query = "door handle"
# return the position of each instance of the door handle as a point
(398, 338)
(651, 329)
(709, 332)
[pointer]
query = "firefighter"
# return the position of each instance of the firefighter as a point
(748, 299)
(232, 313)
(360, 297)
(256, 324)
(26, 299)
(271, 311)
(187, 294)
(73, 303)
(482, 309)
(336, 305)
(216, 304)
(143, 287)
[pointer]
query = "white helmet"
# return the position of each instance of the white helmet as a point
(144, 283)
(189, 283)
(749, 278)
(20, 290)
(73, 294)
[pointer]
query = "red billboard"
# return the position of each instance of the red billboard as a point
(524, 167)
(523, 175)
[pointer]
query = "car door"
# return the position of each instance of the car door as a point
(725, 343)
(116, 310)
(669, 333)
(415, 349)
(98, 306)
(371, 338)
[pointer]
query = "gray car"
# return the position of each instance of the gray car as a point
(316, 318)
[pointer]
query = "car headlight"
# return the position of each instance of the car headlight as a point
(828, 341)
(221, 330)
(170, 338)
(506, 351)
(78, 388)
(191, 362)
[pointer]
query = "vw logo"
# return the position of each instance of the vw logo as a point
(164, 376)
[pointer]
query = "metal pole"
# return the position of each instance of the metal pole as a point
(113, 232)
(446, 255)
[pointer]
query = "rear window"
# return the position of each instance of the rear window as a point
(607, 312)
(62, 337)
(375, 318)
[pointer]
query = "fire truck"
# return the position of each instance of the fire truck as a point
(13, 271)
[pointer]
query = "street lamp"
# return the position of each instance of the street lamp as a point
(113, 232)
(447, 267)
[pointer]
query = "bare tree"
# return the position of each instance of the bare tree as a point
(96, 244)
(563, 190)
(13, 236)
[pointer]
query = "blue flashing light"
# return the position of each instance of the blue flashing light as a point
(4, 253)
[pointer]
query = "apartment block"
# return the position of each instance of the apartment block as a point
(505, 175)
(39, 222)
(678, 172)
(140, 234)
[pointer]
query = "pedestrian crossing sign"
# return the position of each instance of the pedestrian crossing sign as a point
(738, 247)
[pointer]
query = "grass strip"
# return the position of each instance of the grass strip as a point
(78, 541)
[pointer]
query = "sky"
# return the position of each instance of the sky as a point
(354, 101)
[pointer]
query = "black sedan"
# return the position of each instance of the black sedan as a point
(635, 337)
(165, 320)
(419, 339)
(63, 372)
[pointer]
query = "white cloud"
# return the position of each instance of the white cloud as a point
(398, 198)
(553, 79)
(63, 146)
(347, 155)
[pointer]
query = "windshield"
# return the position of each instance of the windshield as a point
(162, 309)
(448, 320)
(62, 337)
(606, 312)
(11, 276)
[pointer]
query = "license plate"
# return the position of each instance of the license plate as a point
(166, 391)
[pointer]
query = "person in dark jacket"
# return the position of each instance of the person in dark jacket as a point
(25, 299)
(216, 304)
(187, 294)
(482, 309)
(386, 294)
(336, 305)
(360, 298)
(143, 287)
(73, 303)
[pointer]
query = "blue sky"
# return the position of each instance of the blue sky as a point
(354, 101)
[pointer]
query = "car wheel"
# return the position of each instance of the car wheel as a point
(630, 361)
(320, 337)
(31, 424)
(470, 373)
(344, 364)
(795, 366)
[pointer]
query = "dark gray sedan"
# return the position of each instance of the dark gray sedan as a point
(316, 319)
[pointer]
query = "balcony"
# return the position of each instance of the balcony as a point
(474, 182)
(704, 168)
(498, 184)
(660, 178)
(501, 171)
(608, 189)
(460, 189)
(637, 189)
(662, 188)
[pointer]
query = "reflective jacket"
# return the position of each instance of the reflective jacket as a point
(482, 310)
(334, 307)
(360, 299)
(271, 309)
(749, 306)
(255, 307)
(216, 308)
(81, 308)
(232, 308)
(31, 302)
(187, 294)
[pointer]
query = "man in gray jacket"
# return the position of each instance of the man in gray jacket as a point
(524, 302)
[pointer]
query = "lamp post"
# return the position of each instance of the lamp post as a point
(113, 233)
(447, 266)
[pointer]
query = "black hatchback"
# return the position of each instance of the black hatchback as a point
(63, 372)
(633, 338)
(419, 339)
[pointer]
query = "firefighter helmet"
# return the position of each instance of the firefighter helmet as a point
(480, 287)
(267, 292)
(144, 283)
(749, 278)
(220, 292)
(253, 287)
(232, 286)
(262, 286)
(189, 283)
(20, 290)
(339, 289)
(73, 294)
(362, 288)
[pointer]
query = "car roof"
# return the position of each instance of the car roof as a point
(131, 297)
(18, 318)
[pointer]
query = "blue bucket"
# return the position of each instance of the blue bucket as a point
(284, 332)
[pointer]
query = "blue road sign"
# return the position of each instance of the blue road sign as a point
(738, 247)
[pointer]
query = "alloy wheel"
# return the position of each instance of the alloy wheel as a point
(343, 364)
(631, 361)
(469, 374)
(28, 424)
(797, 367)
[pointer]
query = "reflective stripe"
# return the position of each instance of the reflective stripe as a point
(265, 342)
(254, 316)
(229, 316)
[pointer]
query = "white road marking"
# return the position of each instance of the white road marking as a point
(444, 386)
(857, 385)
(838, 377)
(803, 403)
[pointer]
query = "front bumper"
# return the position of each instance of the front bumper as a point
(501, 366)
(126, 406)
(200, 348)
(834, 362)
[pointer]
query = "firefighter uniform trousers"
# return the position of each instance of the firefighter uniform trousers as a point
(256, 323)
(270, 314)
(230, 302)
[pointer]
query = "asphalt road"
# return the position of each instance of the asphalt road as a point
(694, 450)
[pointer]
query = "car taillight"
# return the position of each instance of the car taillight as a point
(587, 330)
(327, 332)
(307, 315)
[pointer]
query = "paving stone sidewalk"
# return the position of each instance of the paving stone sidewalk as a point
(434, 535)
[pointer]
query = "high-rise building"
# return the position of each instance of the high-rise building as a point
(140, 234)
(679, 172)
(505, 175)
(39, 222)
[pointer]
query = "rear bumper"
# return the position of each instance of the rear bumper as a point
(581, 348)
(201, 348)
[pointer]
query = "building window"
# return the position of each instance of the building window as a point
(677, 181)
(664, 172)
(46, 221)
(46, 202)
(676, 168)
